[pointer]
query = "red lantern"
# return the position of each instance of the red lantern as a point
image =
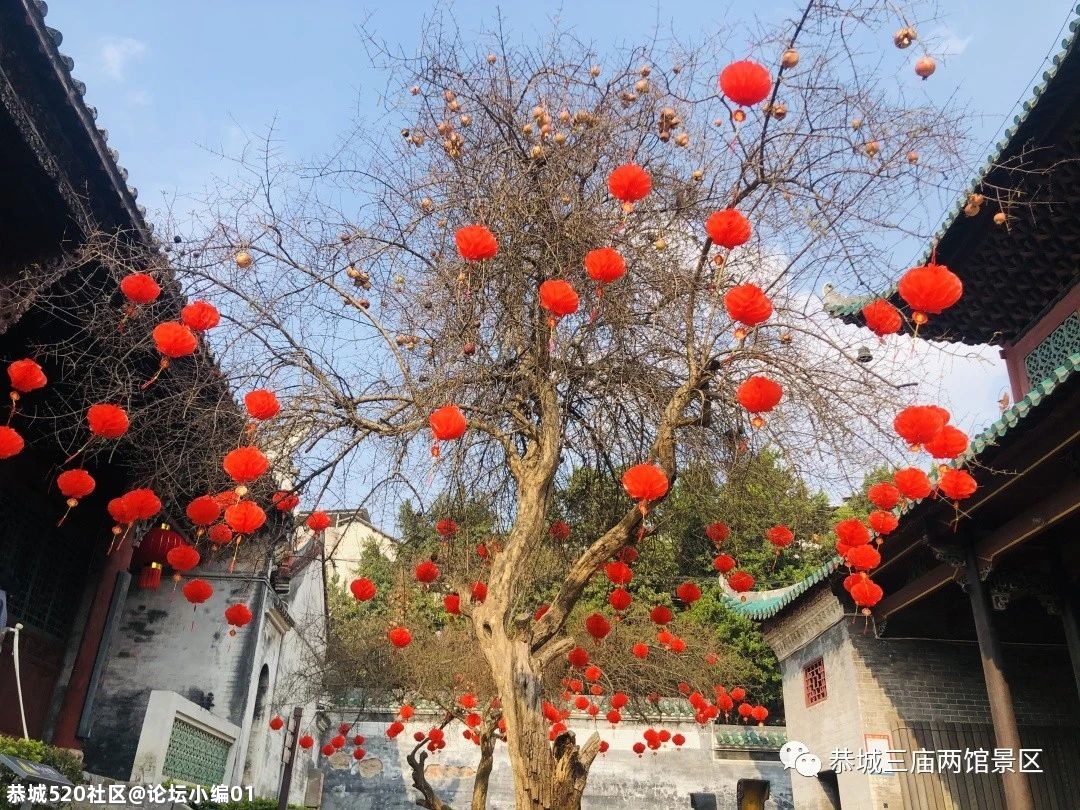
(152, 551)
(219, 534)
(200, 316)
(245, 517)
(929, 289)
(306, 742)
(75, 484)
(956, 484)
(139, 288)
(645, 482)
(276, 723)
(328, 750)
(780, 537)
(245, 464)
(913, 484)
(593, 673)
(558, 297)
(203, 510)
(141, 504)
(759, 395)
(11, 443)
(362, 589)
(285, 501)
(479, 592)
(629, 183)
(883, 495)
(446, 527)
(238, 615)
(688, 593)
(427, 572)
(619, 573)
(882, 522)
(578, 657)
(852, 532)
(728, 228)
(745, 82)
(919, 424)
(717, 532)
(661, 615)
(740, 581)
(748, 304)
(182, 557)
(745, 710)
(262, 404)
(540, 612)
(447, 424)
(597, 626)
(174, 339)
(559, 531)
(619, 599)
(197, 591)
(318, 521)
(107, 421)
(476, 243)
(400, 637)
(851, 579)
(759, 713)
(337, 742)
(628, 554)
(866, 594)
(724, 563)
(605, 265)
(949, 443)
(882, 318)
(452, 603)
(26, 376)
(863, 558)
(640, 650)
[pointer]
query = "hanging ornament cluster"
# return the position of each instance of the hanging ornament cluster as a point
(759, 395)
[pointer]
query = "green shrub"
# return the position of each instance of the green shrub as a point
(37, 751)
(254, 804)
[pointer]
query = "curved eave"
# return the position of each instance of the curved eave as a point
(761, 605)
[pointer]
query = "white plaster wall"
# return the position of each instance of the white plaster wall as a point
(162, 710)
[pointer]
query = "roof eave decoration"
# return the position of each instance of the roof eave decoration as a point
(761, 605)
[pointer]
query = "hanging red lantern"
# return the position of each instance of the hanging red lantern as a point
(559, 531)
(882, 318)
(740, 581)
(174, 340)
(476, 243)
(197, 591)
(578, 657)
(558, 297)
(447, 424)
(851, 579)
(919, 424)
(245, 464)
(852, 532)
(949, 443)
(688, 593)
(619, 573)
(913, 483)
(745, 82)
(337, 742)
(219, 534)
(605, 265)
(203, 510)
(452, 603)
(748, 304)
(446, 528)
(182, 557)
(426, 572)
(479, 592)
(628, 555)
(738, 693)
(620, 599)
(328, 750)
(245, 517)
(929, 290)
(238, 615)
(318, 521)
(629, 183)
(866, 594)
(400, 637)
(640, 650)
(75, 484)
(956, 484)
(107, 421)
(141, 504)
(645, 483)
(780, 537)
(227, 498)
(593, 673)
(863, 558)
(276, 723)
(139, 288)
(362, 589)
(745, 710)
(728, 228)
(882, 522)
(597, 626)
(724, 563)
(119, 512)
(262, 404)
(541, 611)
(759, 395)
(661, 615)
(200, 316)
(26, 376)
(11, 443)
(306, 741)
(285, 501)
(718, 532)
(883, 495)
(759, 713)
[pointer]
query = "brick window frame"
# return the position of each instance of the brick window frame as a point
(814, 687)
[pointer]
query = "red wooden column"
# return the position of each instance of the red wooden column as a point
(78, 686)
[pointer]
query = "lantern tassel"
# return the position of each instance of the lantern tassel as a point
(77, 453)
(63, 517)
(14, 406)
(161, 367)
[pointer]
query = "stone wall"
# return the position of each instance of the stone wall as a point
(619, 780)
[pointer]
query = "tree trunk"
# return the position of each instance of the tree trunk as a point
(546, 776)
(483, 771)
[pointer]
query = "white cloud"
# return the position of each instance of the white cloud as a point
(945, 42)
(117, 53)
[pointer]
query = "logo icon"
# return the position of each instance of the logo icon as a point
(796, 755)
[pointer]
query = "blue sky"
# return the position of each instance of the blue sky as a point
(176, 82)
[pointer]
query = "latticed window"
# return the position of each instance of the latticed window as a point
(1053, 351)
(195, 756)
(814, 681)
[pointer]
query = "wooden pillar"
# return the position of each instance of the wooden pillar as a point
(1070, 619)
(82, 671)
(1006, 733)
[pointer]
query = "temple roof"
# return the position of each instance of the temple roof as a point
(1013, 274)
(761, 605)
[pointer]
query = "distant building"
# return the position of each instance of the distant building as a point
(350, 532)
